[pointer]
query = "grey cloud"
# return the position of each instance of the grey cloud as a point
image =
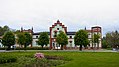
(75, 14)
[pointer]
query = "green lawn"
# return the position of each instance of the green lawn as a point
(77, 59)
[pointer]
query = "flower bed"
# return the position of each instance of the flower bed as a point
(39, 55)
(46, 60)
(30, 59)
(46, 63)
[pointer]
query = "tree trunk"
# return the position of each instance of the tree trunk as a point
(42, 47)
(8, 48)
(25, 46)
(80, 48)
(61, 47)
(19, 45)
(94, 47)
(31, 45)
(97, 45)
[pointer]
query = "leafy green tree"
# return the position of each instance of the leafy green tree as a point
(17, 31)
(3, 30)
(109, 39)
(43, 39)
(6, 28)
(62, 39)
(112, 39)
(81, 38)
(104, 43)
(28, 39)
(96, 39)
(8, 39)
(21, 39)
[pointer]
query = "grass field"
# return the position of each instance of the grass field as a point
(77, 59)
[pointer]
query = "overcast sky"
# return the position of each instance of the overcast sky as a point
(75, 14)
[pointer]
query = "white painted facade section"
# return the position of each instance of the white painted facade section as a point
(55, 29)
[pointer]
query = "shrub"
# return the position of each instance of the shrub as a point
(2, 48)
(7, 59)
(54, 57)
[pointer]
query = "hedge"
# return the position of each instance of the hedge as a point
(28, 48)
(7, 59)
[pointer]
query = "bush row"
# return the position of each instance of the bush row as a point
(2, 48)
(33, 48)
(54, 57)
(28, 48)
(7, 59)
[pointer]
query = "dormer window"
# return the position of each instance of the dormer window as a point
(36, 36)
(70, 37)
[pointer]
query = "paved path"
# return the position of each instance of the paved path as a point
(101, 50)
(4, 51)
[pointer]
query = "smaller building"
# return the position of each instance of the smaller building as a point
(24, 30)
(29, 30)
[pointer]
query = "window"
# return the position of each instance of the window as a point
(36, 42)
(53, 44)
(55, 35)
(57, 28)
(70, 37)
(55, 32)
(70, 41)
(36, 36)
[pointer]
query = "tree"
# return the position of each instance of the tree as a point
(96, 39)
(28, 39)
(8, 39)
(21, 38)
(62, 39)
(3, 30)
(109, 39)
(115, 37)
(112, 39)
(81, 38)
(17, 31)
(6, 28)
(43, 39)
(104, 43)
